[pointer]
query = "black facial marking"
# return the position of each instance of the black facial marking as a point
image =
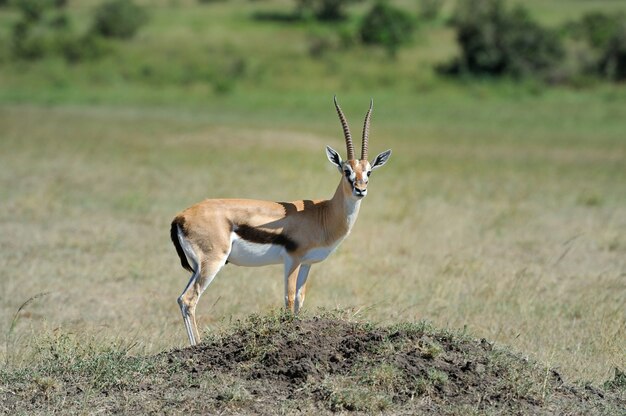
(256, 235)
(348, 173)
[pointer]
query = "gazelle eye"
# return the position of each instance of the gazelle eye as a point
(347, 172)
(369, 173)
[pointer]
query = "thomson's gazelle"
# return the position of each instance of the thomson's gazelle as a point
(256, 233)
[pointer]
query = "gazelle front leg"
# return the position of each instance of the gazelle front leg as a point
(301, 286)
(292, 268)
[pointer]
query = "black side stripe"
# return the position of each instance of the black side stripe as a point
(256, 235)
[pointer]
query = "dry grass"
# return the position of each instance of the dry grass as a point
(519, 238)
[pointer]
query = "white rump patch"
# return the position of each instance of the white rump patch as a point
(192, 259)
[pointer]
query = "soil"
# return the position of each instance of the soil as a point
(322, 365)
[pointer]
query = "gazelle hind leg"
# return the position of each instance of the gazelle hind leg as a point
(192, 259)
(184, 308)
(190, 297)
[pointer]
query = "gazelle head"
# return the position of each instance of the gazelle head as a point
(356, 173)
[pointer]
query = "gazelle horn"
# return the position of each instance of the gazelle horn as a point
(346, 130)
(366, 130)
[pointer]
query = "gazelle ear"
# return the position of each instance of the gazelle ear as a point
(381, 159)
(334, 157)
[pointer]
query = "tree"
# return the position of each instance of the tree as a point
(497, 41)
(387, 26)
(613, 61)
(119, 19)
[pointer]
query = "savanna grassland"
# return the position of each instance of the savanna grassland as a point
(501, 214)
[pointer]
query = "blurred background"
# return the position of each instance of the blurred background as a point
(502, 210)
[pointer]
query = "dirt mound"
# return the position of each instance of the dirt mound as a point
(279, 364)
(327, 364)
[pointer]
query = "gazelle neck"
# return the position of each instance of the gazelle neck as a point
(345, 205)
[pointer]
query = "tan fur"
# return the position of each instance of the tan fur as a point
(310, 223)
(208, 225)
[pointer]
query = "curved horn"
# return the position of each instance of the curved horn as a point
(346, 130)
(366, 130)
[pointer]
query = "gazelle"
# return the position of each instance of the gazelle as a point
(256, 233)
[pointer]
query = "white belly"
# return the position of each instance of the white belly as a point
(245, 253)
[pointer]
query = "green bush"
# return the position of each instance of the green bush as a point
(34, 10)
(595, 28)
(40, 30)
(119, 19)
(87, 47)
(387, 26)
(324, 9)
(605, 37)
(613, 60)
(44, 29)
(430, 9)
(497, 41)
(31, 41)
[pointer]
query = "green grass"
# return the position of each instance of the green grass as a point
(502, 208)
(189, 53)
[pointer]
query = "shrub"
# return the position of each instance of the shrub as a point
(324, 9)
(119, 19)
(595, 28)
(605, 36)
(40, 31)
(34, 10)
(497, 41)
(46, 30)
(388, 26)
(87, 47)
(430, 9)
(613, 60)
(31, 41)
